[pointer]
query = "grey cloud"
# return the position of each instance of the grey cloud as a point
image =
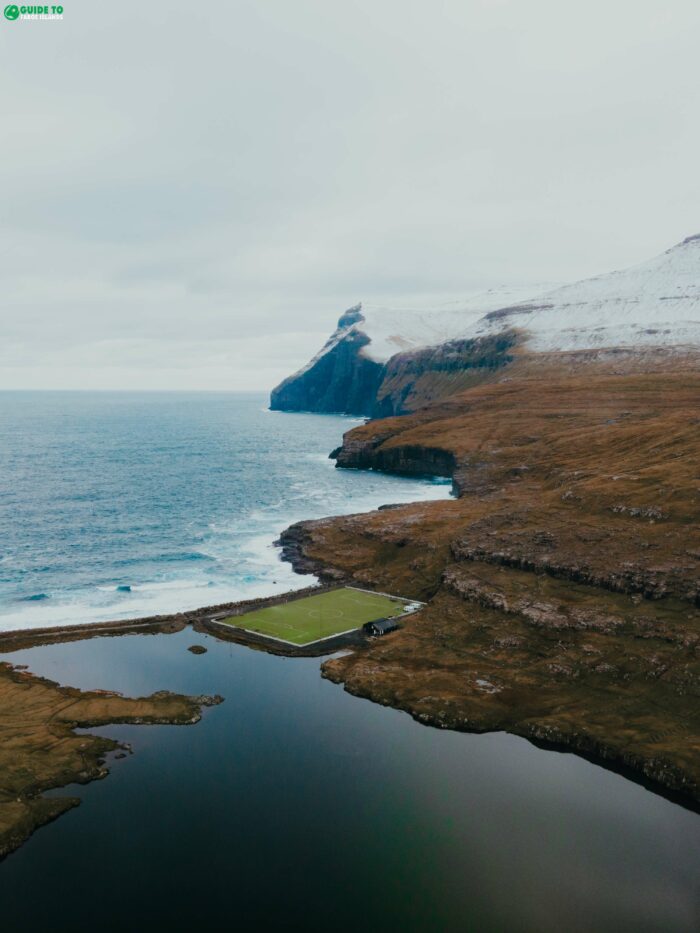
(180, 176)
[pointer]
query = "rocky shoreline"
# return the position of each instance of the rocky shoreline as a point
(657, 775)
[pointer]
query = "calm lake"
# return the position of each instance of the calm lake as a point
(296, 806)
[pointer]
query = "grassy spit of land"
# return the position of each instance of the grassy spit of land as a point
(39, 748)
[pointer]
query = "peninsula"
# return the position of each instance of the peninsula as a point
(40, 750)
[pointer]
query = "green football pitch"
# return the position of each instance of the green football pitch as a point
(306, 620)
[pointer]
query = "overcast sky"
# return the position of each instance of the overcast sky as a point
(193, 192)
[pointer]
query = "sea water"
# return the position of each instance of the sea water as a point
(118, 505)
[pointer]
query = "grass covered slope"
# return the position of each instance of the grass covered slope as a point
(302, 621)
(563, 583)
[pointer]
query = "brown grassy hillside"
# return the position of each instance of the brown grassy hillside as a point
(563, 583)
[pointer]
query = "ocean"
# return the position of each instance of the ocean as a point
(119, 505)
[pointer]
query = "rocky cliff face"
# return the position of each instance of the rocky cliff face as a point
(417, 378)
(402, 459)
(338, 379)
(342, 378)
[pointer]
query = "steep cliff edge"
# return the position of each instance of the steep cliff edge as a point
(338, 379)
(341, 379)
(381, 361)
(417, 378)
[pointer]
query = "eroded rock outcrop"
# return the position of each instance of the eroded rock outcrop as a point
(338, 379)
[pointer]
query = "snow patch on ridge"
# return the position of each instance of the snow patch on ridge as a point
(656, 303)
(394, 330)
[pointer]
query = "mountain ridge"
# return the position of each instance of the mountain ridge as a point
(654, 304)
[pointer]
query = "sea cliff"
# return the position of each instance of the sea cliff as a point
(343, 378)
(338, 379)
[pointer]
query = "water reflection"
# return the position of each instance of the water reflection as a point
(294, 805)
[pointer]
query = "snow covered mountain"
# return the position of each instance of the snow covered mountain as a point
(345, 374)
(654, 304)
(394, 330)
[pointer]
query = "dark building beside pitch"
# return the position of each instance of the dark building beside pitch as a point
(380, 627)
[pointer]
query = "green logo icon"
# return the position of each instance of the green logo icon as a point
(11, 11)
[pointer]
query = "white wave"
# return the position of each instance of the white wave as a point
(246, 564)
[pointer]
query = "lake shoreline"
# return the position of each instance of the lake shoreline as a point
(40, 749)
